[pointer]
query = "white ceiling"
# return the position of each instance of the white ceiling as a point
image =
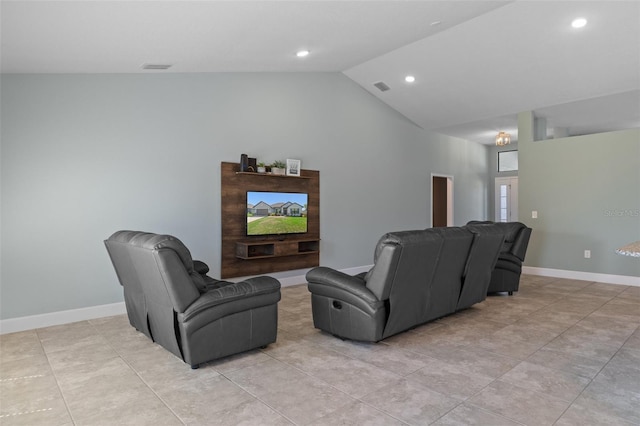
(482, 64)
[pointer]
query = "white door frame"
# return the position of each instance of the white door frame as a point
(511, 201)
(449, 198)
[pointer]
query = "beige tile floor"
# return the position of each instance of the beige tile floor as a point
(558, 352)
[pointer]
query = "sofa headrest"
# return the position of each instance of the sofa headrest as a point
(403, 238)
(150, 241)
(509, 229)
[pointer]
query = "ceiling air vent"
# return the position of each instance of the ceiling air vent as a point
(156, 66)
(381, 86)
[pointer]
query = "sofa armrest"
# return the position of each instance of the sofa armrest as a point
(328, 282)
(200, 267)
(252, 287)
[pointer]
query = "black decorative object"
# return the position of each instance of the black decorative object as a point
(252, 165)
(244, 162)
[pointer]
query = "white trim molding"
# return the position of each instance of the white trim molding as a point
(13, 325)
(288, 281)
(584, 276)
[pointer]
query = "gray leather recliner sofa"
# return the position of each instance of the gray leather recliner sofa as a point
(170, 299)
(417, 276)
(506, 274)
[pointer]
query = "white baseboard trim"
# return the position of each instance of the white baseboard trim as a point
(584, 276)
(13, 325)
(287, 281)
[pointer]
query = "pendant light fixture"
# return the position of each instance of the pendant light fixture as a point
(503, 138)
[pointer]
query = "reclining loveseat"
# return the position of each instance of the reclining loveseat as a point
(417, 276)
(170, 299)
(506, 274)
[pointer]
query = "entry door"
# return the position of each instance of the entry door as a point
(441, 200)
(506, 199)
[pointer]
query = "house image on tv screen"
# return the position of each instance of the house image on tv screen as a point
(276, 213)
(279, 209)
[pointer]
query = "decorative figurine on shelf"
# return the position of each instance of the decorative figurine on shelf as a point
(252, 165)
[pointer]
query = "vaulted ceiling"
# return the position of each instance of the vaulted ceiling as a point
(476, 63)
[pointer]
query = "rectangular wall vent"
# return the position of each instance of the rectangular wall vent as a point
(156, 66)
(381, 86)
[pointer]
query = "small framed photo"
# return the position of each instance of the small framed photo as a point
(293, 167)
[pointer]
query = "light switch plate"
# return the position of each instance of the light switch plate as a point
(534, 214)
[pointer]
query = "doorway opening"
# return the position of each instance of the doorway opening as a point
(441, 200)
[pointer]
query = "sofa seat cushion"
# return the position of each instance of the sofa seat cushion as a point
(244, 291)
(212, 283)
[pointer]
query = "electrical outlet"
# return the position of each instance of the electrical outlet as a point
(587, 254)
(534, 214)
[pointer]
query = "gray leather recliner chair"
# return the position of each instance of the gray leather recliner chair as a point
(170, 299)
(417, 276)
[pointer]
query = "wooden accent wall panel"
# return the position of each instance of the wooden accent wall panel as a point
(234, 187)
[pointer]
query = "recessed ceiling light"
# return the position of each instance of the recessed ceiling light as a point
(578, 23)
(434, 23)
(409, 79)
(302, 53)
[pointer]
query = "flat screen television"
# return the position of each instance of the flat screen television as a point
(276, 213)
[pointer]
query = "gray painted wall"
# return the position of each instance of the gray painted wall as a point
(585, 189)
(86, 155)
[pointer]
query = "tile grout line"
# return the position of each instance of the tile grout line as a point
(124, 360)
(55, 377)
(264, 402)
(333, 387)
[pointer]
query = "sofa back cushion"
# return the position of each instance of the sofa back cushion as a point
(483, 255)
(447, 279)
(171, 271)
(510, 230)
(406, 278)
(158, 264)
(520, 244)
(516, 236)
(134, 299)
(385, 262)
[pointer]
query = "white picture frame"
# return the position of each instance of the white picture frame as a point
(293, 167)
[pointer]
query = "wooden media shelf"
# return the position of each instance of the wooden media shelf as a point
(260, 249)
(242, 255)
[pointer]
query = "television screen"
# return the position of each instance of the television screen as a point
(276, 213)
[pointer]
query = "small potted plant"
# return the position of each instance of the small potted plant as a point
(261, 167)
(278, 167)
